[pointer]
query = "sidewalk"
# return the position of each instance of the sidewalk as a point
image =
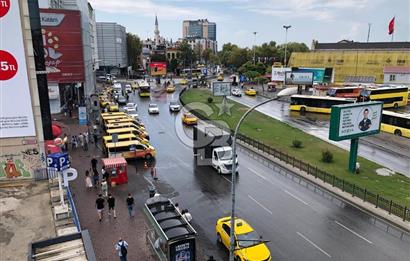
(105, 235)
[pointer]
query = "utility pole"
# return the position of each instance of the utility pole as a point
(286, 42)
(368, 32)
(254, 47)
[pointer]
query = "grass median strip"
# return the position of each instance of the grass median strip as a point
(281, 136)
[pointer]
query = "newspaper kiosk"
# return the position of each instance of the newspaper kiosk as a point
(171, 236)
(117, 168)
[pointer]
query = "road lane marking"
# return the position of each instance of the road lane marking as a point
(353, 232)
(149, 181)
(262, 206)
(257, 174)
(296, 197)
(313, 244)
(226, 179)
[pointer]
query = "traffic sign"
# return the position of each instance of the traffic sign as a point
(58, 161)
(221, 88)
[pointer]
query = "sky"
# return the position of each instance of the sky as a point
(236, 20)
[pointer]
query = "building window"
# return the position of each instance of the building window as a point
(392, 78)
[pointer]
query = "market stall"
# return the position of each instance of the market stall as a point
(117, 169)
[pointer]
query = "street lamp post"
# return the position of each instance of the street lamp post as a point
(232, 232)
(286, 41)
(254, 47)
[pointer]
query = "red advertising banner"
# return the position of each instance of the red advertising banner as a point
(158, 68)
(63, 47)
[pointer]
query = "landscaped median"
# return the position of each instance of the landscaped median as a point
(281, 137)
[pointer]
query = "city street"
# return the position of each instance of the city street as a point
(300, 224)
(385, 149)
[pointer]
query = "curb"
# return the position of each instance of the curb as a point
(345, 196)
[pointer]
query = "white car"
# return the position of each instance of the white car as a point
(236, 92)
(133, 113)
(117, 85)
(130, 106)
(174, 106)
(153, 108)
(128, 88)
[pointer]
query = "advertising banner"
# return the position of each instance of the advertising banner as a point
(182, 250)
(221, 88)
(278, 74)
(158, 68)
(299, 78)
(63, 47)
(351, 121)
(82, 115)
(16, 113)
(318, 73)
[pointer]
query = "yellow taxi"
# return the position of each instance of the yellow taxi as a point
(134, 85)
(170, 88)
(189, 119)
(250, 92)
(249, 245)
(220, 78)
(104, 103)
(112, 106)
(183, 81)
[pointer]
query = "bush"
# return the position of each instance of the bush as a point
(297, 144)
(327, 156)
(210, 99)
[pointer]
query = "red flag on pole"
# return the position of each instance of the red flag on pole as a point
(391, 26)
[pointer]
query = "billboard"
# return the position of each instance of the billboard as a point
(158, 68)
(318, 73)
(63, 47)
(16, 113)
(299, 78)
(278, 74)
(351, 121)
(221, 88)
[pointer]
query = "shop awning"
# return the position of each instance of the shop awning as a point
(114, 162)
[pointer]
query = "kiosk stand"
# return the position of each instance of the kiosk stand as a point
(117, 168)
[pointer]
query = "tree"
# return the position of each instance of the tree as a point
(187, 56)
(291, 47)
(261, 80)
(238, 57)
(251, 75)
(226, 52)
(172, 65)
(206, 55)
(134, 47)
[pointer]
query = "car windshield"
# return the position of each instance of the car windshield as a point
(174, 103)
(225, 154)
(190, 116)
(152, 105)
(248, 239)
(132, 112)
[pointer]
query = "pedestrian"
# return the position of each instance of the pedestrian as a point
(111, 205)
(104, 188)
(177, 207)
(94, 163)
(154, 173)
(86, 140)
(96, 177)
(73, 142)
(186, 215)
(95, 138)
(122, 248)
(65, 142)
(130, 204)
(81, 140)
(99, 203)
(105, 174)
(88, 182)
(70, 109)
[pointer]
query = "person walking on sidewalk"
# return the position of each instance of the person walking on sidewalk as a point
(65, 142)
(96, 177)
(81, 140)
(73, 142)
(122, 248)
(130, 204)
(86, 141)
(111, 205)
(104, 188)
(99, 204)
(105, 174)
(88, 182)
(94, 163)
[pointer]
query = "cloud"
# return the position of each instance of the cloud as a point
(353, 32)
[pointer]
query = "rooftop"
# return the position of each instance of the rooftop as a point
(350, 45)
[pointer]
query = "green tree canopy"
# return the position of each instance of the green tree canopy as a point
(134, 47)
(187, 55)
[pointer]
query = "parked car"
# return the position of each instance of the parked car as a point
(236, 92)
(153, 108)
(174, 106)
(130, 106)
(121, 100)
(113, 107)
(128, 88)
(133, 113)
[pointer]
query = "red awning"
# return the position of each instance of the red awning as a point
(114, 162)
(57, 131)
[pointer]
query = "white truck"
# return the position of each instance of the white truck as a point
(212, 147)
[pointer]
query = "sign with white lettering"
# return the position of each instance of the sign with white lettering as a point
(221, 88)
(299, 78)
(351, 121)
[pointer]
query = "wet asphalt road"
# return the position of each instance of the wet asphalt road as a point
(385, 149)
(300, 224)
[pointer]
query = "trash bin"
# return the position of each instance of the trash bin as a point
(151, 191)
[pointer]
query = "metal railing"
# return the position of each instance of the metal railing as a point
(76, 220)
(367, 196)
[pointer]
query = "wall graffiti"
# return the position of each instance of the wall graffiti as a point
(18, 165)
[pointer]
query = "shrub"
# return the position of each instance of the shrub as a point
(297, 144)
(327, 156)
(210, 99)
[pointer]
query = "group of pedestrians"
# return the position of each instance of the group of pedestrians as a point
(82, 139)
(100, 205)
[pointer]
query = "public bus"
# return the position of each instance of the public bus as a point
(396, 123)
(191, 72)
(320, 104)
(391, 96)
(144, 89)
(130, 130)
(130, 150)
(345, 92)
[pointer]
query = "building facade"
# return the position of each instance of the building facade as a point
(200, 34)
(397, 75)
(112, 47)
(354, 61)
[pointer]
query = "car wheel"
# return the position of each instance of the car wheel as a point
(237, 258)
(148, 156)
(219, 239)
(396, 106)
(397, 132)
(302, 109)
(219, 170)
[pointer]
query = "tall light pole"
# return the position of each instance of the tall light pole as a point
(254, 47)
(368, 32)
(232, 232)
(286, 41)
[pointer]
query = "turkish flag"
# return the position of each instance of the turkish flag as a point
(391, 26)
